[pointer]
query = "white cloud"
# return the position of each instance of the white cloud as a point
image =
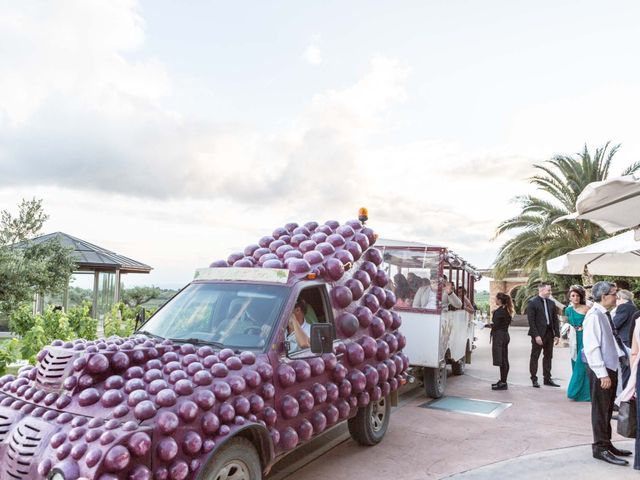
(312, 55)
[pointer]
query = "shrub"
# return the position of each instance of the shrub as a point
(9, 353)
(36, 331)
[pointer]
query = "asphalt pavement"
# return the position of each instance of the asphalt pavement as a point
(542, 434)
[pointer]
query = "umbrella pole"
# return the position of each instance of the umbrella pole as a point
(587, 280)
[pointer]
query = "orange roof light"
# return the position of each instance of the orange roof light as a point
(363, 215)
(311, 276)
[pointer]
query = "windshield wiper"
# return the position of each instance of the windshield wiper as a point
(198, 341)
(149, 334)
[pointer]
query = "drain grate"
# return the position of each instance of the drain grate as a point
(469, 406)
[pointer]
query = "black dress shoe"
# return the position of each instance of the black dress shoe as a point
(495, 384)
(551, 383)
(609, 457)
(500, 386)
(535, 383)
(619, 452)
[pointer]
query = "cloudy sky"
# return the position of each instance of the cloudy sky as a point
(175, 132)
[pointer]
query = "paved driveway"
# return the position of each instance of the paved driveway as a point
(425, 443)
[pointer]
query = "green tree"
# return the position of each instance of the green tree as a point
(536, 238)
(136, 296)
(27, 267)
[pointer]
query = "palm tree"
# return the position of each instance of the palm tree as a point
(560, 181)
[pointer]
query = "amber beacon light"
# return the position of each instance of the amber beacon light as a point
(363, 215)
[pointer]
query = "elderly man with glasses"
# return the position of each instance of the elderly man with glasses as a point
(603, 349)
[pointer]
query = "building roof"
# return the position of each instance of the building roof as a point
(92, 257)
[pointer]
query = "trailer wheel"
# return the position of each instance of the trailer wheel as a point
(435, 380)
(457, 368)
(237, 460)
(371, 422)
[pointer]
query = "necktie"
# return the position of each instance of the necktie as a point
(546, 311)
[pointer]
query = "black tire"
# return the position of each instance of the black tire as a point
(435, 381)
(457, 368)
(236, 460)
(371, 422)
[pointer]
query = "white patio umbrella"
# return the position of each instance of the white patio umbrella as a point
(612, 204)
(618, 256)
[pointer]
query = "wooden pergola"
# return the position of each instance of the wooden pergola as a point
(92, 258)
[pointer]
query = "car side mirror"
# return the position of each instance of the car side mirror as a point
(321, 338)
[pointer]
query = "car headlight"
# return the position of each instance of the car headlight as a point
(56, 476)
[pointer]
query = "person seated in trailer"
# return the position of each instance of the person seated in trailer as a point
(462, 295)
(415, 282)
(402, 291)
(298, 330)
(449, 298)
(423, 295)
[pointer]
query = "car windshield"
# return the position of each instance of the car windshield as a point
(229, 314)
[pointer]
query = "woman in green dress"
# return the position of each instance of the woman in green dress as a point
(578, 389)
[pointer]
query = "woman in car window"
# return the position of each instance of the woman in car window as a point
(298, 330)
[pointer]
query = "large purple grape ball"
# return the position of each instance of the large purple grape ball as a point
(345, 257)
(258, 253)
(376, 327)
(319, 237)
(219, 264)
(347, 324)
(272, 263)
(299, 266)
(341, 296)
(305, 430)
(249, 250)
(234, 257)
(117, 459)
(355, 354)
(346, 231)
(307, 246)
(289, 438)
(381, 278)
(336, 240)
(354, 249)
(289, 407)
(371, 302)
(371, 236)
(243, 263)
(335, 269)
(362, 240)
(286, 375)
(356, 287)
(314, 257)
(364, 316)
(325, 248)
(363, 277)
(319, 422)
(265, 241)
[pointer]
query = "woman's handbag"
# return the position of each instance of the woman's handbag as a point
(627, 419)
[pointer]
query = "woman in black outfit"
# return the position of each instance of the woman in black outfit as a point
(500, 337)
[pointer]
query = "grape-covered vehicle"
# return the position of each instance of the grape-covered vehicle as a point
(219, 383)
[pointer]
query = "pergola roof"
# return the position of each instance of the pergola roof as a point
(93, 257)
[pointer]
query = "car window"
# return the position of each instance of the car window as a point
(236, 315)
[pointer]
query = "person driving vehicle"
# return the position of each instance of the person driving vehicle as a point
(298, 330)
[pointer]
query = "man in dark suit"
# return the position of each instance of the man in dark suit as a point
(544, 330)
(624, 323)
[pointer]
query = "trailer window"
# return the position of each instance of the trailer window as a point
(415, 275)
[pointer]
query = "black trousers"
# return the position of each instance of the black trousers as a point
(602, 408)
(547, 349)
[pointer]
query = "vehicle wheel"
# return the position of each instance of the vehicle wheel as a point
(236, 460)
(457, 368)
(371, 422)
(435, 379)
